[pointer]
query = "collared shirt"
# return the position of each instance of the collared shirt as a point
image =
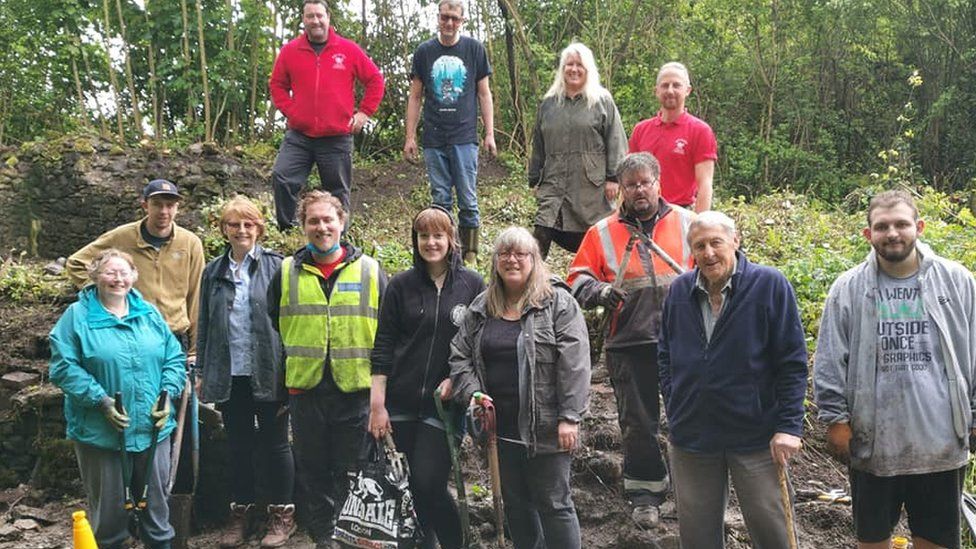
(708, 317)
(239, 321)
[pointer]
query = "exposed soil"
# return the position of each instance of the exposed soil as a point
(604, 515)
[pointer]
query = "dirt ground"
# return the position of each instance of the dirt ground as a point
(39, 519)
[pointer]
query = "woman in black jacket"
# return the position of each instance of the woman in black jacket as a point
(241, 362)
(419, 315)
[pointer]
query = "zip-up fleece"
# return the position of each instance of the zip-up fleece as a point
(735, 391)
(553, 365)
(413, 340)
(846, 357)
(316, 93)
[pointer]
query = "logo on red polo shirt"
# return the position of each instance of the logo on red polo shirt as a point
(679, 146)
(339, 61)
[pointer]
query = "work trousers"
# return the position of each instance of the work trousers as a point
(538, 501)
(257, 433)
(634, 375)
(298, 153)
(101, 475)
(328, 429)
(701, 489)
(567, 240)
(430, 468)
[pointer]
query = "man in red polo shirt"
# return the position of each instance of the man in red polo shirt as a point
(683, 144)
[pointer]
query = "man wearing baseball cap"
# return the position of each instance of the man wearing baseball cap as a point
(169, 260)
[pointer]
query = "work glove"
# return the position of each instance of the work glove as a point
(610, 297)
(118, 420)
(839, 441)
(160, 416)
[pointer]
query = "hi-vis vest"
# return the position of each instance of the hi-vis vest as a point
(670, 233)
(342, 325)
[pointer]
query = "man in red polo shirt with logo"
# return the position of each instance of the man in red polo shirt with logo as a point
(683, 144)
(313, 84)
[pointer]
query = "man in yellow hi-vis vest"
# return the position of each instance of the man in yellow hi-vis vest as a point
(324, 303)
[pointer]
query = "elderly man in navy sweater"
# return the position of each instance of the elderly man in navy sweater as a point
(733, 369)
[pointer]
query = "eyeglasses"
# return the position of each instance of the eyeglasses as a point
(447, 18)
(521, 256)
(639, 185)
(241, 224)
(116, 274)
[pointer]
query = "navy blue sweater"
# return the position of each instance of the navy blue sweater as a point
(736, 391)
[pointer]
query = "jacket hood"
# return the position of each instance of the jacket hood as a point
(454, 256)
(97, 316)
(480, 303)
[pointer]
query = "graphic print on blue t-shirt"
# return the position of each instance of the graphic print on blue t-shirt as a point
(448, 75)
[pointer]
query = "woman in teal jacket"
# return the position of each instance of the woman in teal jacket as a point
(112, 341)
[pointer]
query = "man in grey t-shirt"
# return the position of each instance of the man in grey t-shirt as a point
(893, 375)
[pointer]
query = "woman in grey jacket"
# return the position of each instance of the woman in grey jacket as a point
(523, 341)
(577, 144)
(241, 363)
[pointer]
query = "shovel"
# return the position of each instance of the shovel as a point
(456, 464)
(136, 508)
(488, 422)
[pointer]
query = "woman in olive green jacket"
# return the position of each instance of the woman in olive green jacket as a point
(577, 143)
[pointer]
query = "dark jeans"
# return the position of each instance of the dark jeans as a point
(545, 236)
(633, 372)
(332, 155)
(538, 501)
(328, 429)
(430, 467)
(258, 453)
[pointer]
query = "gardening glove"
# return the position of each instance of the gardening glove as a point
(161, 416)
(118, 420)
(610, 297)
(839, 441)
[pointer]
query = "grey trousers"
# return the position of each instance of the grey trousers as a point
(101, 474)
(701, 488)
(538, 501)
(297, 155)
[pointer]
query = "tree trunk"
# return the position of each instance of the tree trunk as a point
(190, 112)
(153, 91)
(112, 79)
(98, 104)
(129, 80)
(253, 99)
(518, 132)
(208, 130)
(82, 111)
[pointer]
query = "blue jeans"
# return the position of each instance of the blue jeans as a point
(455, 166)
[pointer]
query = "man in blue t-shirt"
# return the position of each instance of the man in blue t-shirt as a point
(450, 77)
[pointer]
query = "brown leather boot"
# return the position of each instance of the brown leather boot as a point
(281, 525)
(240, 521)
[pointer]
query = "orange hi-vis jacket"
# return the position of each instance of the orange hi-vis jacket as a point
(646, 278)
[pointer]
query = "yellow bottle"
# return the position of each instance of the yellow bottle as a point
(83, 536)
(899, 542)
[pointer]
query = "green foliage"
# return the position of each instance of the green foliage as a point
(27, 282)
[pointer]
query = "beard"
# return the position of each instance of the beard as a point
(894, 255)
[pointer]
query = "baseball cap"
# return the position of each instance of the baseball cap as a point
(160, 187)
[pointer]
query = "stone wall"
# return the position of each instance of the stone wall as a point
(57, 196)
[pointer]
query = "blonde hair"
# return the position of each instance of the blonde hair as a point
(102, 257)
(592, 90)
(240, 207)
(537, 288)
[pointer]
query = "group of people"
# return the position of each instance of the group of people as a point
(321, 342)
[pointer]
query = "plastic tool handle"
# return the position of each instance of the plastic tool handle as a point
(161, 402)
(118, 403)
